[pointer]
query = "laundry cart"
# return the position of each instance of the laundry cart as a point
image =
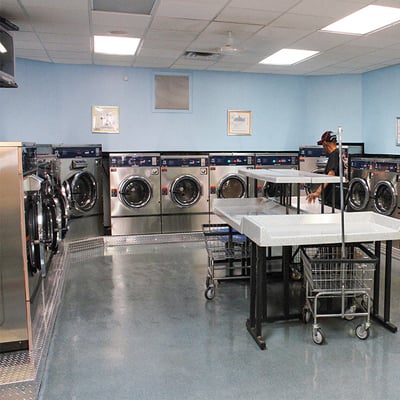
(228, 256)
(331, 273)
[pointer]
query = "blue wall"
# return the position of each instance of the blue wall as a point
(381, 107)
(53, 105)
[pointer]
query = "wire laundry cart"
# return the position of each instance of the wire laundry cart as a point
(228, 256)
(349, 278)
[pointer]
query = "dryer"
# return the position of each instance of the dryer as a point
(272, 160)
(225, 181)
(184, 193)
(135, 193)
(386, 187)
(81, 178)
(360, 196)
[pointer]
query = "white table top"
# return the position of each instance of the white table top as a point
(288, 176)
(232, 211)
(304, 229)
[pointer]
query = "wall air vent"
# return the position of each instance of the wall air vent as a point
(201, 55)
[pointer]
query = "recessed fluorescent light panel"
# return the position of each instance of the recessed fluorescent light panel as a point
(366, 20)
(115, 45)
(288, 57)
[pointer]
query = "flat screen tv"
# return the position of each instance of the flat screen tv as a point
(7, 60)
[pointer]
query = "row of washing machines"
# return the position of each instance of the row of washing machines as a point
(170, 193)
(375, 184)
(43, 188)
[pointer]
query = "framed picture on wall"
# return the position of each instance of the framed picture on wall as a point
(239, 122)
(105, 119)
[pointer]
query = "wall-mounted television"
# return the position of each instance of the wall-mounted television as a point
(7, 60)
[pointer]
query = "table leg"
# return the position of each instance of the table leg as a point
(385, 321)
(254, 323)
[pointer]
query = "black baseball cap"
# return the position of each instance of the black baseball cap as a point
(327, 136)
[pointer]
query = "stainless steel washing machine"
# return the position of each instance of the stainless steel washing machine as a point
(360, 196)
(135, 193)
(81, 175)
(21, 253)
(225, 181)
(275, 160)
(184, 193)
(386, 187)
(312, 159)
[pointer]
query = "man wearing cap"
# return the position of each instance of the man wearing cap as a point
(328, 141)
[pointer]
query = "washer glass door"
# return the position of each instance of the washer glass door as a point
(232, 187)
(185, 191)
(82, 191)
(135, 192)
(384, 198)
(358, 194)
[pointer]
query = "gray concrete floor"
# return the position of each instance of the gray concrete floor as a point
(134, 324)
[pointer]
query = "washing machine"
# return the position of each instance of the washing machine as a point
(272, 160)
(225, 181)
(386, 187)
(81, 177)
(184, 192)
(312, 159)
(360, 195)
(135, 193)
(22, 261)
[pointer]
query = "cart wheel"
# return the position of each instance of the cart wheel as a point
(306, 315)
(296, 275)
(351, 310)
(209, 293)
(318, 336)
(361, 332)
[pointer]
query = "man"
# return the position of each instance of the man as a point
(328, 141)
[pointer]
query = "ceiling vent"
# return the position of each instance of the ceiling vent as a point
(202, 55)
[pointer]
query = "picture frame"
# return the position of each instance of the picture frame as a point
(239, 122)
(105, 119)
(398, 131)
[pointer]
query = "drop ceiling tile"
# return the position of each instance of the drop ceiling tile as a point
(29, 5)
(301, 21)
(178, 24)
(205, 9)
(159, 53)
(125, 6)
(74, 61)
(37, 54)
(177, 36)
(327, 8)
(267, 5)
(321, 41)
(158, 62)
(69, 55)
(247, 16)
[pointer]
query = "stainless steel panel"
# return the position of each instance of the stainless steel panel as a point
(13, 261)
(136, 225)
(183, 222)
(169, 206)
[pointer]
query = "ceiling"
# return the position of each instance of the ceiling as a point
(61, 31)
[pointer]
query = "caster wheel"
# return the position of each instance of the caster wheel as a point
(318, 336)
(296, 275)
(362, 332)
(306, 315)
(209, 293)
(351, 310)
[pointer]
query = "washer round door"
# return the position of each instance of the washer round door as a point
(358, 194)
(33, 228)
(384, 198)
(232, 187)
(272, 190)
(186, 191)
(135, 192)
(81, 190)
